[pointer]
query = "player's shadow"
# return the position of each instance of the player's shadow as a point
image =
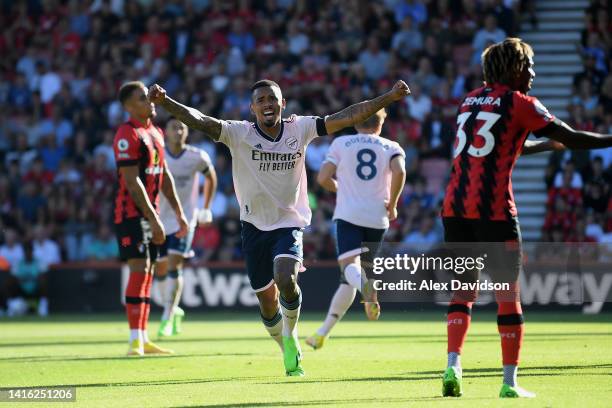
(419, 338)
(40, 359)
(469, 372)
(373, 401)
(148, 383)
(102, 342)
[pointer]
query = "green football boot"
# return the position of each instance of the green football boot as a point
(292, 357)
(165, 329)
(514, 392)
(451, 383)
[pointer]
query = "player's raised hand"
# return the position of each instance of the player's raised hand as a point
(157, 229)
(183, 226)
(400, 90)
(157, 94)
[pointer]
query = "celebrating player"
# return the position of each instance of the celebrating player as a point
(186, 163)
(493, 124)
(270, 182)
(370, 174)
(141, 174)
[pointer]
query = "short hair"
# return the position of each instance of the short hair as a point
(505, 60)
(373, 121)
(263, 83)
(127, 88)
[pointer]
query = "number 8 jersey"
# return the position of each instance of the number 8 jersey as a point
(492, 125)
(364, 178)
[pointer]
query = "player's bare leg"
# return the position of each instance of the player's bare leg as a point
(285, 275)
(270, 312)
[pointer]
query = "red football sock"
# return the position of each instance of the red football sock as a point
(511, 330)
(147, 303)
(458, 323)
(134, 299)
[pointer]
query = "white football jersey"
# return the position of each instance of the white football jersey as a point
(185, 169)
(363, 173)
(269, 174)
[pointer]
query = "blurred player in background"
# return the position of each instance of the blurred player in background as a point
(370, 175)
(492, 126)
(141, 174)
(186, 164)
(270, 181)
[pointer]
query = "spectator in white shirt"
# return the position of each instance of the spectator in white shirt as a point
(45, 249)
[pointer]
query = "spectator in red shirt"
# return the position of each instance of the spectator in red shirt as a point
(159, 41)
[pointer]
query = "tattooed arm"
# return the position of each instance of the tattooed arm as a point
(193, 118)
(359, 112)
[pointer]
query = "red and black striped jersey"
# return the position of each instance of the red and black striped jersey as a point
(142, 145)
(492, 125)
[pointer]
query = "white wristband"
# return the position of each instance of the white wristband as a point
(205, 216)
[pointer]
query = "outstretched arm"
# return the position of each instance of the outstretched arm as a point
(574, 139)
(532, 146)
(193, 118)
(359, 112)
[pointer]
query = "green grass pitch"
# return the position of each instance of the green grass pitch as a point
(227, 360)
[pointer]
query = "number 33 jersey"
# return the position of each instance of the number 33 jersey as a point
(364, 178)
(492, 125)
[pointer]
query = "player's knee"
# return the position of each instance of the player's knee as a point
(287, 284)
(285, 276)
(268, 302)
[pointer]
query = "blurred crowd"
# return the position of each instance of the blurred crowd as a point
(63, 61)
(579, 204)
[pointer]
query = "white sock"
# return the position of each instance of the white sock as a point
(510, 372)
(274, 326)
(168, 296)
(178, 291)
(145, 336)
(342, 300)
(135, 334)
(454, 360)
(352, 274)
(291, 314)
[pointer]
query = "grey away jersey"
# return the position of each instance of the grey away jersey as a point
(269, 174)
(185, 169)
